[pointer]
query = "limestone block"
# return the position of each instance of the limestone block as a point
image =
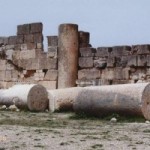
(108, 74)
(88, 74)
(124, 61)
(52, 41)
(126, 73)
(42, 63)
(17, 47)
(84, 38)
(9, 54)
(52, 51)
(2, 64)
(2, 75)
(148, 60)
(51, 75)
(121, 50)
(118, 73)
(141, 49)
(100, 63)
(16, 55)
(12, 40)
(103, 51)
(8, 76)
(141, 60)
(20, 39)
(111, 61)
(9, 66)
(87, 51)
(27, 54)
(36, 27)
(23, 29)
(38, 38)
(132, 60)
(49, 85)
(32, 64)
(24, 47)
(39, 45)
(86, 62)
(51, 63)
(29, 38)
(14, 75)
(8, 47)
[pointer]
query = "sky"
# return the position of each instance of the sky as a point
(110, 22)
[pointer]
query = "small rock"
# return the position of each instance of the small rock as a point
(17, 110)
(113, 120)
(3, 107)
(147, 122)
(13, 107)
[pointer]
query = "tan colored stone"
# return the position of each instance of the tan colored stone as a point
(49, 85)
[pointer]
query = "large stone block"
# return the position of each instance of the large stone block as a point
(51, 75)
(52, 40)
(14, 75)
(8, 76)
(49, 85)
(84, 38)
(51, 63)
(2, 64)
(88, 74)
(36, 27)
(141, 60)
(86, 62)
(31, 64)
(121, 50)
(27, 54)
(29, 38)
(87, 52)
(38, 38)
(132, 61)
(9, 54)
(2, 75)
(23, 29)
(52, 51)
(42, 63)
(108, 74)
(12, 40)
(100, 63)
(103, 51)
(111, 61)
(141, 49)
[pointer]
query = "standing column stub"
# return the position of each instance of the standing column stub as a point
(68, 47)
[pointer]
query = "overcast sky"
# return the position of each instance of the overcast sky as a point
(110, 22)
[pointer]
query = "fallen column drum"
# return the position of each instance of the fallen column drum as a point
(62, 99)
(27, 96)
(126, 99)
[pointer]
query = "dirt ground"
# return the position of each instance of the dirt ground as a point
(64, 131)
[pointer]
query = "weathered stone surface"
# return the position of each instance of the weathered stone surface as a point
(132, 61)
(87, 51)
(43, 63)
(12, 40)
(2, 64)
(68, 44)
(20, 39)
(23, 29)
(38, 38)
(103, 51)
(39, 45)
(148, 60)
(9, 54)
(88, 74)
(36, 27)
(51, 75)
(28, 46)
(52, 40)
(108, 74)
(49, 85)
(30, 64)
(100, 63)
(26, 54)
(121, 50)
(86, 62)
(52, 51)
(84, 38)
(51, 63)
(29, 38)
(141, 60)
(141, 49)
(111, 61)
(8, 76)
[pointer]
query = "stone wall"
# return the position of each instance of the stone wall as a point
(23, 60)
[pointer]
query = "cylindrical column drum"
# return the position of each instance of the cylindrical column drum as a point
(67, 55)
(126, 99)
(62, 99)
(27, 96)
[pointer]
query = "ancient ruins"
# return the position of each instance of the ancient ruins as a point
(69, 61)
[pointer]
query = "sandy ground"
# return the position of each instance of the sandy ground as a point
(59, 131)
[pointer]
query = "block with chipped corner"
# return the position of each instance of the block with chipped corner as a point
(52, 51)
(87, 52)
(52, 41)
(51, 75)
(86, 62)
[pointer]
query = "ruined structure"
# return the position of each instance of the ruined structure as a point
(69, 61)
